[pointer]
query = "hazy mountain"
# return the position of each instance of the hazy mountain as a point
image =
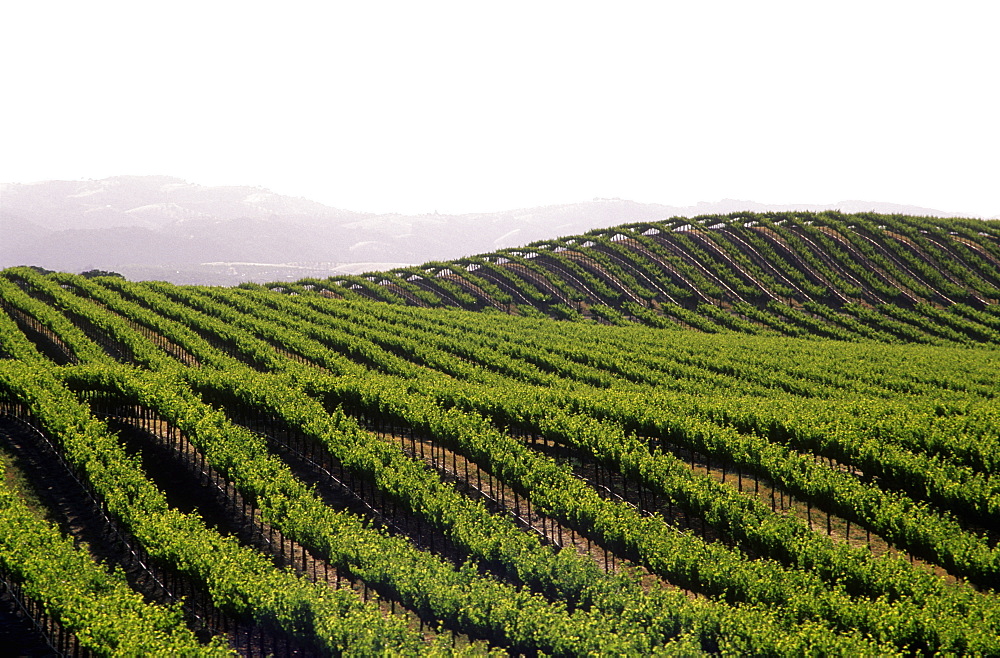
(158, 227)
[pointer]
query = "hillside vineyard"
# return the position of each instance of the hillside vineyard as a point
(838, 276)
(751, 434)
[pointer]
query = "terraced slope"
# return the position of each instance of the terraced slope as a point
(892, 278)
(264, 473)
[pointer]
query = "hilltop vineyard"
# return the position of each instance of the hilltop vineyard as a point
(752, 434)
(832, 275)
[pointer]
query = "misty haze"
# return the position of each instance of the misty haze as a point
(163, 228)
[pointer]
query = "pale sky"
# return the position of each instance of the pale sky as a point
(472, 106)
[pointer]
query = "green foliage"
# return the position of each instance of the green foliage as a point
(92, 274)
(853, 386)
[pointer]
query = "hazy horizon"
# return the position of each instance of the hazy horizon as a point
(150, 227)
(714, 203)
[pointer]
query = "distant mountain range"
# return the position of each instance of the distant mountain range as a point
(158, 227)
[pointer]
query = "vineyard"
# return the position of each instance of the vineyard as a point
(748, 435)
(798, 274)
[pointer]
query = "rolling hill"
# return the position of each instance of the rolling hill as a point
(164, 228)
(791, 273)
